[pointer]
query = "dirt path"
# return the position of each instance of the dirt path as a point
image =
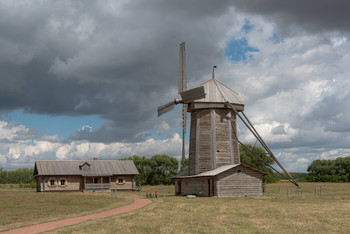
(138, 203)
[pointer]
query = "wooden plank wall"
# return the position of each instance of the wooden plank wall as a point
(233, 183)
(128, 182)
(204, 138)
(213, 141)
(73, 183)
(194, 186)
(223, 153)
(192, 149)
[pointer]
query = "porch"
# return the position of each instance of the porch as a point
(97, 183)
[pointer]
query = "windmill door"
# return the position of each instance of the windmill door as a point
(210, 188)
(178, 187)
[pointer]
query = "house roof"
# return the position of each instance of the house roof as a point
(215, 172)
(217, 92)
(93, 168)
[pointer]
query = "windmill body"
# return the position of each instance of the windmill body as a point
(213, 131)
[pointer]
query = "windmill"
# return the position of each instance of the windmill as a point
(214, 161)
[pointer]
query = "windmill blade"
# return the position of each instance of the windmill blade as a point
(166, 108)
(193, 94)
(184, 119)
(182, 83)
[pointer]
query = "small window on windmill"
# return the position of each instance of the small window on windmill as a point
(239, 171)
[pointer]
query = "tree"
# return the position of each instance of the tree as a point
(155, 170)
(251, 160)
(337, 170)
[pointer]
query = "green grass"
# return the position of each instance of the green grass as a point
(272, 213)
(22, 207)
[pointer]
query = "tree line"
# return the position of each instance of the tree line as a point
(337, 170)
(19, 176)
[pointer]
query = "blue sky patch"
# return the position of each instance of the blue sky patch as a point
(239, 50)
(63, 126)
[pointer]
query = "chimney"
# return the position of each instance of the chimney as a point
(95, 159)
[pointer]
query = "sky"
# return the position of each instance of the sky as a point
(83, 79)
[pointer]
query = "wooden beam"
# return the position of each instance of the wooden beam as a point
(213, 138)
(230, 137)
(196, 168)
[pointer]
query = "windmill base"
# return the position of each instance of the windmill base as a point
(226, 181)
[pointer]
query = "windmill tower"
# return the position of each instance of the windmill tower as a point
(214, 161)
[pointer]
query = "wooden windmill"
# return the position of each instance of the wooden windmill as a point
(214, 160)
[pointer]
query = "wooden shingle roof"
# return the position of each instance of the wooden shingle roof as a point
(93, 168)
(217, 92)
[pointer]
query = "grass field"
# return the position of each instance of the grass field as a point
(22, 207)
(272, 213)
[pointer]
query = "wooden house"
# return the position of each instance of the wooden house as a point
(93, 175)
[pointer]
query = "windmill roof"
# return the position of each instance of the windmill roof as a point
(96, 168)
(215, 172)
(218, 93)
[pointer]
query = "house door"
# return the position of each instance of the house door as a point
(210, 188)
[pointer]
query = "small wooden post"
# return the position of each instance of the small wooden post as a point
(140, 191)
(164, 192)
(287, 192)
(279, 190)
(315, 189)
(320, 189)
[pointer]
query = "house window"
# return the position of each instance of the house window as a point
(120, 181)
(95, 180)
(62, 182)
(52, 182)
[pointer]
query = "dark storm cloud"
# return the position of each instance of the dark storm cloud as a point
(116, 60)
(312, 15)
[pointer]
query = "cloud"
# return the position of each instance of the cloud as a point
(119, 61)
(19, 152)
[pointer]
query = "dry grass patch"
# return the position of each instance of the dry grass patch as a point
(272, 213)
(23, 207)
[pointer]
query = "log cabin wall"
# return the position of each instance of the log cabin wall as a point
(239, 181)
(126, 182)
(71, 183)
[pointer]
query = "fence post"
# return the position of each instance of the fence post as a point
(115, 193)
(320, 189)
(287, 192)
(316, 189)
(164, 192)
(279, 190)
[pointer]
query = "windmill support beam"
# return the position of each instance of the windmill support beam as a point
(248, 124)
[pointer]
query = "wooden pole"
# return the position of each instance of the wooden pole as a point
(279, 190)
(287, 192)
(320, 189)
(164, 192)
(315, 189)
